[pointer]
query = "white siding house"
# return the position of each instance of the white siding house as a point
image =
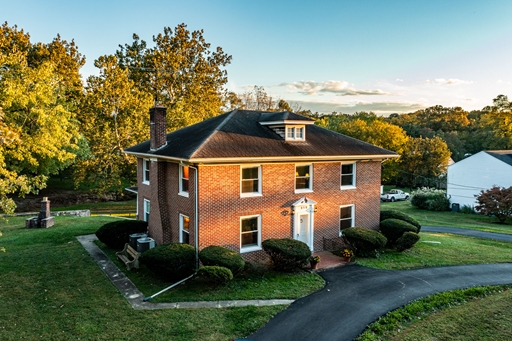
(481, 171)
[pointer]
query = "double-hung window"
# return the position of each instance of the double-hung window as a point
(250, 233)
(184, 229)
(346, 217)
(146, 163)
(184, 180)
(147, 209)
(295, 133)
(251, 181)
(304, 178)
(348, 175)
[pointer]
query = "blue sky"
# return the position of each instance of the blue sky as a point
(346, 56)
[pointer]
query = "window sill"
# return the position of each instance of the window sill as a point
(145, 183)
(347, 187)
(250, 195)
(304, 190)
(183, 194)
(250, 249)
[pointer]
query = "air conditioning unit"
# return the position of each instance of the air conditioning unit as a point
(134, 237)
(144, 244)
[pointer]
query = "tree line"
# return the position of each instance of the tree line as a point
(52, 122)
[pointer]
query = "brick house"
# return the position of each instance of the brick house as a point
(246, 176)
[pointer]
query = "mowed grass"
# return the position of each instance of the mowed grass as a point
(113, 208)
(442, 249)
(51, 289)
(448, 218)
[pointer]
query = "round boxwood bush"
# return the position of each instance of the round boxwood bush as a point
(221, 256)
(406, 241)
(117, 233)
(214, 274)
(393, 229)
(287, 254)
(172, 261)
(394, 214)
(365, 241)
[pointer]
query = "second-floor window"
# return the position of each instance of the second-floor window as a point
(184, 179)
(251, 181)
(145, 170)
(303, 178)
(348, 175)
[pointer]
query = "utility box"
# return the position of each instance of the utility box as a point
(455, 207)
(144, 244)
(134, 237)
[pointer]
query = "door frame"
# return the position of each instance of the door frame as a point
(304, 207)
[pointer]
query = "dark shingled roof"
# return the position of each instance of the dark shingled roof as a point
(503, 155)
(239, 134)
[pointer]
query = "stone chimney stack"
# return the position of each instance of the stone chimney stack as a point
(158, 127)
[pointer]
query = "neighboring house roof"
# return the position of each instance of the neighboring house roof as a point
(244, 134)
(503, 155)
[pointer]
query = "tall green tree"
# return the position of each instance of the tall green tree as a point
(38, 133)
(181, 71)
(113, 116)
(496, 122)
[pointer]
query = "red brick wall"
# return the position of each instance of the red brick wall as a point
(221, 205)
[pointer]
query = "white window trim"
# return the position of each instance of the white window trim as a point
(294, 137)
(181, 191)
(145, 164)
(260, 181)
(254, 247)
(304, 190)
(352, 216)
(354, 173)
(147, 204)
(182, 220)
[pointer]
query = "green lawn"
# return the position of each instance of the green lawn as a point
(448, 218)
(51, 289)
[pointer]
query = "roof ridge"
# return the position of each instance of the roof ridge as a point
(224, 121)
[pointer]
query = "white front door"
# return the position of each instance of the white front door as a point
(303, 229)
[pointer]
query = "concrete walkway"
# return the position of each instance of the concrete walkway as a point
(135, 297)
(356, 296)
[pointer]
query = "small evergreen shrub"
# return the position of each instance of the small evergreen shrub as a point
(393, 229)
(394, 214)
(365, 241)
(430, 199)
(172, 261)
(287, 254)
(214, 274)
(467, 209)
(117, 233)
(220, 256)
(406, 241)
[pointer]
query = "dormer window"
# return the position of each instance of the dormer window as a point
(295, 133)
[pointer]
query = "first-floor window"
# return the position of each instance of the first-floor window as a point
(147, 209)
(346, 217)
(250, 233)
(184, 229)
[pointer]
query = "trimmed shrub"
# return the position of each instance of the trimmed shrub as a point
(394, 214)
(430, 199)
(365, 241)
(407, 241)
(467, 209)
(214, 274)
(287, 254)
(220, 256)
(172, 261)
(117, 233)
(393, 229)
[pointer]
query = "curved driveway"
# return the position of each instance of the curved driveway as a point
(355, 296)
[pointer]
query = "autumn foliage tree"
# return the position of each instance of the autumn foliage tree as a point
(497, 202)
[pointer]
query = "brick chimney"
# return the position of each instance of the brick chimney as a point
(158, 126)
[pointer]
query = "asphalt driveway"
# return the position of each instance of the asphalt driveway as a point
(355, 296)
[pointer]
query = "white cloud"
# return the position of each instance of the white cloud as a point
(399, 80)
(450, 81)
(339, 88)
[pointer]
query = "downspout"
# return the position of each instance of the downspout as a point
(196, 220)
